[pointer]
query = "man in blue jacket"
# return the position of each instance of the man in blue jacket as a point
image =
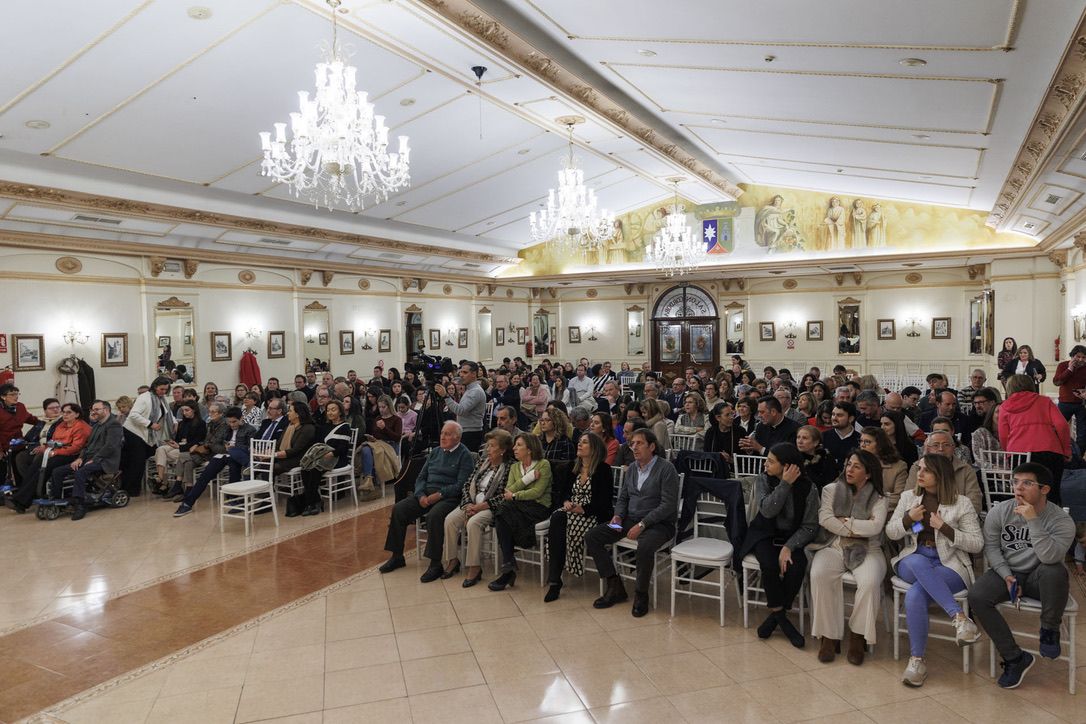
(437, 493)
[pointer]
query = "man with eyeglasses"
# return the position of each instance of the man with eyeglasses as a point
(965, 475)
(1025, 541)
(101, 454)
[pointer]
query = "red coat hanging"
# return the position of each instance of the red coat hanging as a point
(250, 369)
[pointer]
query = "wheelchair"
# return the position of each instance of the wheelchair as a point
(103, 491)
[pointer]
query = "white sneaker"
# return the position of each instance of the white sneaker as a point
(965, 631)
(916, 672)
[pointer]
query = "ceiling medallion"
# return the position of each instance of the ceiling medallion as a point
(571, 223)
(509, 293)
(338, 153)
(447, 289)
(592, 293)
(246, 276)
(69, 265)
(675, 249)
(790, 284)
(914, 278)
(363, 283)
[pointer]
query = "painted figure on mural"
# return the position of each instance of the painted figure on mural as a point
(833, 226)
(859, 224)
(876, 227)
(769, 223)
(614, 249)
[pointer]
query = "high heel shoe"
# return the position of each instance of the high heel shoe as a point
(553, 592)
(469, 582)
(504, 581)
(449, 573)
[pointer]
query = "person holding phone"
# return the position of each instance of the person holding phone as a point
(786, 522)
(941, 529)
(1025, 540)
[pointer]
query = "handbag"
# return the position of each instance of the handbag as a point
(315, 458)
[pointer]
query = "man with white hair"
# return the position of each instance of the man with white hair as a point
(784, 396)
(965, 475)
(437, 493)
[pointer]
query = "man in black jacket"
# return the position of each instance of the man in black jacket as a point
(102, 454)
(842, 438)
(773, 427)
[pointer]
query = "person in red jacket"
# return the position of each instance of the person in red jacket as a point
(13, 417)
(1029, 422)
(1071, 378)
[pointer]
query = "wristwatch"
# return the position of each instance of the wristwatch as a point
(641, 524)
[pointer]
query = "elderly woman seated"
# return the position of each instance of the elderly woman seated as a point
(200, 451)
(482, 492)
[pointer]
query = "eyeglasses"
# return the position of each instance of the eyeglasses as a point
(1024, 483)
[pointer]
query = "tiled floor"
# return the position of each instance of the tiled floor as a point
(387, 648)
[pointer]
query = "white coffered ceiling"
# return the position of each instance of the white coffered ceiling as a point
(143, 102)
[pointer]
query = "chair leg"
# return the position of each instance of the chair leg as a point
(897, 625)
(275, 512)
(222, 509)
(746, 601)
(1072, 622)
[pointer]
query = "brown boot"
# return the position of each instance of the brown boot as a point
(828, 649)
(857, 646)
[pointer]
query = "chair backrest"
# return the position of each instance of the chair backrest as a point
(748, 466)
(681, 442)
(617, 473)
(710, 517)
(261, 459)
(997, 486)
(1001, 460)
(700, 465)
(354, 447)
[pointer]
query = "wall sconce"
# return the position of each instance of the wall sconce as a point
(1078, 314)
(366, 335)
(253, 333)
(512, 328)
(592, 333)
(73, 337)
(913, 323)
(451, 335)
(791, 327)
(310, 338)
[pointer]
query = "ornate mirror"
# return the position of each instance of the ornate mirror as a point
(175, 338)
(315, 332)
(635, 330)
(848, 326)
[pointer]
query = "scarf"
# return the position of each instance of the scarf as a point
(847, 504)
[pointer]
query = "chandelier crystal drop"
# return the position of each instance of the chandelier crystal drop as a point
(571, 222)
(675, 249)
(337, 153)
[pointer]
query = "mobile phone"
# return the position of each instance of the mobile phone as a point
(918, 526)
(1014, 593)
(615, 526)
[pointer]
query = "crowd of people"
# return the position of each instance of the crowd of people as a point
(859, 482)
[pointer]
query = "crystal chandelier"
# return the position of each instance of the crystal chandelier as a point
(675, 249)
(338, 151)
(571, 222)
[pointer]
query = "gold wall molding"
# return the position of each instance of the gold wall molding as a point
(173, 303)
(1061, 105)
(305, 275)
(69, 265)
(163, 212)
(326, 277)
(485, 28)
(414, 309)
(315, 306)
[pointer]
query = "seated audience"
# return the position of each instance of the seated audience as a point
(190, 429)
(773, 427)
(298, 436)
(895, 425)
(645, 512)
(101, 454)
(941, 529)
(335, 432)
(851, 515)
(252, 411)
(843, 437)
(66, 438)
(818, 465)
(965, 476)
(234, 458)
(200, 451)
(962, 452)
(437, 492)
(20, 454)
(895, 473)
(525, 501)
(554, 429)
(1025, 541)
(692, 420)
(722, 435)
(787, 520)
(1030, 422)
(482, 493)
(600, 425)
(986, 436)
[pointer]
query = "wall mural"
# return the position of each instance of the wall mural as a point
(787, 222)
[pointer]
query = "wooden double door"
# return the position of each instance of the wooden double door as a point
(682, 343)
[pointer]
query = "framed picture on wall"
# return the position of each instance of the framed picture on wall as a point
(221, 347)
(940, 328)
(346, 341)
(435, 339)
(522, 335)
(164, 341)
(574, 335)
(114, 349)
(462, 339)
(277, 344)
(887, 329)
(767, 332)
(814, 331)
(384, 340)
(322, 338)
(27, 352)
(499, 336)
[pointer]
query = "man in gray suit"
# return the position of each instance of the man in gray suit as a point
(102, 454)
(645, 512)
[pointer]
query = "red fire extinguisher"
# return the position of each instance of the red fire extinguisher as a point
(528, 349)
(1057, 359)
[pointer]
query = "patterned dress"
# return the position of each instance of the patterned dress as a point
(577, 524)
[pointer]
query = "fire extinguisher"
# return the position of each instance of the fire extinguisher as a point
(528, 349)
(1057, 359)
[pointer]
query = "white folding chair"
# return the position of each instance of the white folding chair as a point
(248, 497)
(699, 466)
(681, 442)
(900, 622)
(624, 553)
(532, 556)
(996, 479)
(340, 480)
(754, 592)
(617, 473)
(1067, 635)
(704, 551)
(746, 469)
(289, 483)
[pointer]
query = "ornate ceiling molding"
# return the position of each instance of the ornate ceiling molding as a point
(162, 212)
(471, 19)
(172, 303)
(414, 309)
(1057, 111)
(315, 306)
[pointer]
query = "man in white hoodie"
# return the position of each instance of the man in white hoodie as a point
(1025, 541)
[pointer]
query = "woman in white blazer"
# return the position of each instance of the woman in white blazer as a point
(941, 529)
(148, 424)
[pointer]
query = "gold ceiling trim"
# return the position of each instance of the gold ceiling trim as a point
(841, 164)
(514, 48)
(1013, 21)
(970, 187)
(1062, 104)
(139, 209)
(734, 129)
(815, 122)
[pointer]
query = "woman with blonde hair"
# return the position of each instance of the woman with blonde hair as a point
(941, 529)
(554, 427)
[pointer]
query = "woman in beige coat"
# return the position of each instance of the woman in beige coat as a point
(851, 516)
(941, 529)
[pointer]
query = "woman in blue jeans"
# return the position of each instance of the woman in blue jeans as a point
(941, 529)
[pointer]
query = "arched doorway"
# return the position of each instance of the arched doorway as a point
(685, 323)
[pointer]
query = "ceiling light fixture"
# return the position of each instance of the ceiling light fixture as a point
(407, 102)
(912, 62)
(675, 249)
(199, 12)
(571, 222)
(524, 151)
(645, 52)
(339, 150)
(719, 121)
(921, 136)
(38, 125)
